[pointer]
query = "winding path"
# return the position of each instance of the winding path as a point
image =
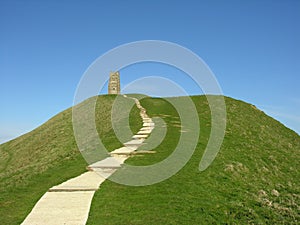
(69, 203)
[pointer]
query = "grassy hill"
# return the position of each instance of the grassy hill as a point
(47, 156)
(254, 179)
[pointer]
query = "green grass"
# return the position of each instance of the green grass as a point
(258, 155)
(47, 156)
(17, 201)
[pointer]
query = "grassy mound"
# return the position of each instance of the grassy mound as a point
(254, 179)
(47, 156)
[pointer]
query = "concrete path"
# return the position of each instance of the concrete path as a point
(69, 203)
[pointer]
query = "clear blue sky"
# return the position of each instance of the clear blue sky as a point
(45, 46)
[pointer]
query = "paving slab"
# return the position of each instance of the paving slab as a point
(70, 208)
(148, 124)
(139, 136)
(145, 132)
(123, 150)
(146, 128)
(134, 142)
(109, 162)
(67, 203)
(86, 181)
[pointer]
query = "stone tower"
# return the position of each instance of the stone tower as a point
(114, 83)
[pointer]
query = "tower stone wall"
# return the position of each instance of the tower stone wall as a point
(114, 83)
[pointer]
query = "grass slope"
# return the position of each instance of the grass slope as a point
(47, 156)
(254, 179)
